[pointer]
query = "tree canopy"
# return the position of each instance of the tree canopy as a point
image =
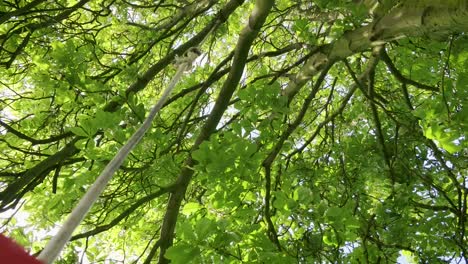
(323, 131)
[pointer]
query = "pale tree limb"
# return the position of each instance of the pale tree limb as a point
(56, 244)
(401, 22)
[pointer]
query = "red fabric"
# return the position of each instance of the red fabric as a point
(10, 252)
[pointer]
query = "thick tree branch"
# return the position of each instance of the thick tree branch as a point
(399, 23)
(399, 76)
(11, 195)
(33, 140)
(246, 38)
(268, 161)
(6, 16)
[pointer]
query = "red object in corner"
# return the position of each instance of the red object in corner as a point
(10, 252)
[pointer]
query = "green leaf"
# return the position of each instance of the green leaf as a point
(182, 253)
(303, 194)
(330, 240)
(449, 145)
(78, 131)
(334, 212)
(204, 227)
(190, 208)
(105, 119)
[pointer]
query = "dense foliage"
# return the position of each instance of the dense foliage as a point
(323, 131)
